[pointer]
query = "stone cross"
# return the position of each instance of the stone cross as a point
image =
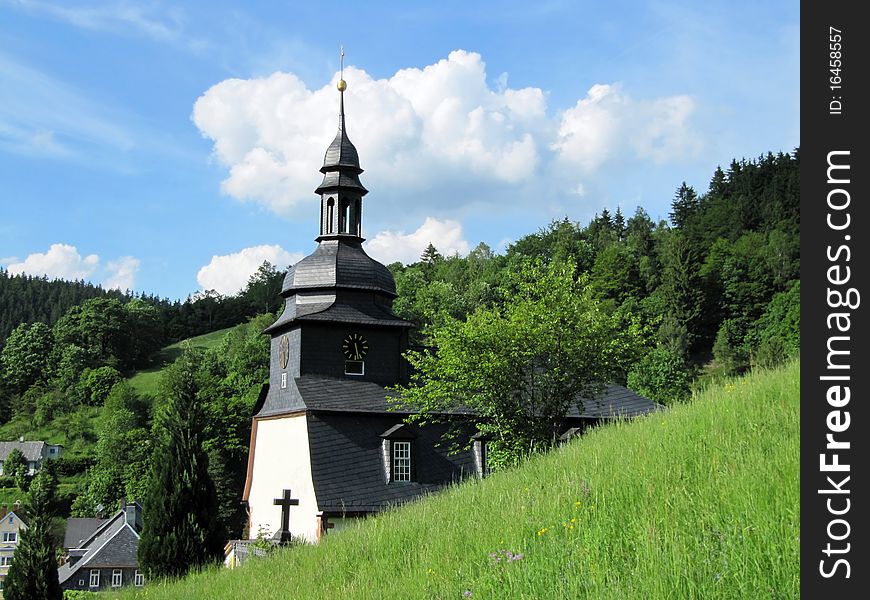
(285, 503)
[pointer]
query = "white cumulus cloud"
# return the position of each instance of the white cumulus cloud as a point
(63, 261)
(122, 273)
(393, 246)
(440, 127)
(418, 126)
(608, 124)
(229, 273)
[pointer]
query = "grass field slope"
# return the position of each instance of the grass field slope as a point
(698, 502)
(146, 381)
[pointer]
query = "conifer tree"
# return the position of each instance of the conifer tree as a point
(181, 528)
(33, 572)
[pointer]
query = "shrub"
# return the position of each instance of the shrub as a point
(661, 375)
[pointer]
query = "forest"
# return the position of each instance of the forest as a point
(712, 291)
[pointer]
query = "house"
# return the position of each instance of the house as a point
(11, 526)
(102, 553)
(35, 453)
(325, 445)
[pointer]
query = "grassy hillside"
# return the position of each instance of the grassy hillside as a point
(145, 381)
(698, 502)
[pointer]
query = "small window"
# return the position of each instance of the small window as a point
(81, 583)
(10, 536)
(95, 578)
(401, 461)
(5, 561)
(485, 467)
(330, 214)
(354, 367)
(51, 450)
(116, 577)
(283, 380)
(138, 579)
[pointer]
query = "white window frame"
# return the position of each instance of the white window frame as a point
(94, 580)
(117, 577)
(5, 560)
(401, 468)
(138, 579)
(362, 366)
(283, 380)
(10, 536)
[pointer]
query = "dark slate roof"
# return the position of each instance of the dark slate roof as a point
(359, 309)
(333, 180)
(341, 152)
(337, 264)
(113, 543)
(314, 392)
(78, 530)
(333, 394)
(616, 401)
(119, 551)
(339, 440)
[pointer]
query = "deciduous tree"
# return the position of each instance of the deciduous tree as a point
(521, 366)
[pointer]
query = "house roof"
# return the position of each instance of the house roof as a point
(32, 451)
(113, 543)
(78, 530)
(320, 393)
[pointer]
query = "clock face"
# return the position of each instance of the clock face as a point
(284, 351)
(354, 347)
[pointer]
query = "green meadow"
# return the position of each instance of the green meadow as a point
(147, 380)
(700, 501)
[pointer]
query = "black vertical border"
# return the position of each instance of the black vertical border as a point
(821, 133)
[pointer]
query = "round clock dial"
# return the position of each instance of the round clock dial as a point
(284, 351)
(354, 347)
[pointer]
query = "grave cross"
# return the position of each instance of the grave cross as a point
(325, 524)
(285, 503)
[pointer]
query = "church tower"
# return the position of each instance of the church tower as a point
(334, 348)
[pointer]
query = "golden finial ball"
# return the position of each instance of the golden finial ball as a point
(342, 85)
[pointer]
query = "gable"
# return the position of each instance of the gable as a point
(119, 551)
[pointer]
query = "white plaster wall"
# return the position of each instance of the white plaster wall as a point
(282, 461)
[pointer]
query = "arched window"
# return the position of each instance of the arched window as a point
(342, 215)
(348, 218)
(330, 214)
(358, 215)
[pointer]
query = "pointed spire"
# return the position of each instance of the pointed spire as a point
(341, 162)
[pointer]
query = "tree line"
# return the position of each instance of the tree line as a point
(32, 299)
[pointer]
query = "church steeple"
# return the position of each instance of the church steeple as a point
(341, 191)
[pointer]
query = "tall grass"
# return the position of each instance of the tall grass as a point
(698, 502)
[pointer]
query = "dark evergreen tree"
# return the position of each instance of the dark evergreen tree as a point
(430, 255)
(33, 573)
(684, 206)
(181, 525)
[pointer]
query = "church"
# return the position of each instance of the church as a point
(325, 446)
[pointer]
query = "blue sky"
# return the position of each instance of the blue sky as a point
(171, 147)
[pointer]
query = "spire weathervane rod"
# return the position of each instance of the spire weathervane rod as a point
(342, 84)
